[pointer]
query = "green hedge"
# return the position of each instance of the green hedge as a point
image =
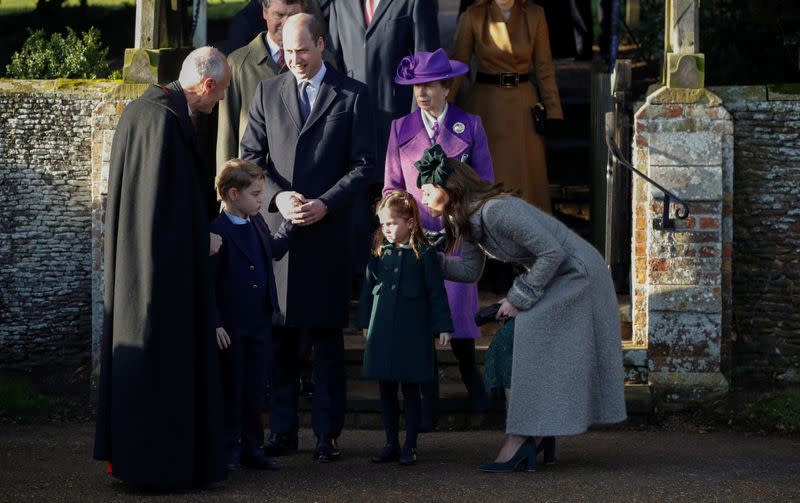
(74, 55)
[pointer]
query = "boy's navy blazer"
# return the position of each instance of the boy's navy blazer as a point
(232, 292)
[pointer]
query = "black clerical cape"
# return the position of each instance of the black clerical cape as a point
(159, 413)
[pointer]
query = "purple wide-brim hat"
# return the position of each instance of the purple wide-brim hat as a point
(428, 67)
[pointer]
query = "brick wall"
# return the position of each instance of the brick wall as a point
(45, 222)
(683, 139)
(766, 235)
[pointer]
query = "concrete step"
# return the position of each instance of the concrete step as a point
(363, 407)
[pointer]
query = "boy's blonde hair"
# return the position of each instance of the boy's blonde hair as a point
(236, 174)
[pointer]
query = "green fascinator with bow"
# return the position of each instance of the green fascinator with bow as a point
(433, 167)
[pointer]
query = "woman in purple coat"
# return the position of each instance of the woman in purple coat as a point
(460, 135)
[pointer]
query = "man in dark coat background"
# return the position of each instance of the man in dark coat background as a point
(370, 50)
(368, 39)
(311, 131)
(159, 410)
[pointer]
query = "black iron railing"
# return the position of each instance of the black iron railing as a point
(665, 222)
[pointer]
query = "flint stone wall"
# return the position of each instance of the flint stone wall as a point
(47, 146)
(766, 234)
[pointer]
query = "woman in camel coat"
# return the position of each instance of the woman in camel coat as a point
(509, 40)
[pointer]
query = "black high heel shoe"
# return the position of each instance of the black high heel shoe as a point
(526, 451)
(548, 446)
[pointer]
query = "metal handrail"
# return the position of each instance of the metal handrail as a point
(665, 223)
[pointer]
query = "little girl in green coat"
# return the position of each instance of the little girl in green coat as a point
(404, 304)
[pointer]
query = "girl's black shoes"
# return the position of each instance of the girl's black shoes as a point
(388, 454)
(408, 456)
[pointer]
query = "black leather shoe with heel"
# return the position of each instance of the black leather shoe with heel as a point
(525, 456)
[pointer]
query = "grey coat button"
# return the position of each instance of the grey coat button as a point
(255, 286)
(252, 268)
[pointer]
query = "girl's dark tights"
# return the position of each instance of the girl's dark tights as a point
(390, 408)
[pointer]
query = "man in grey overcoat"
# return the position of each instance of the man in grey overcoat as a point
(310, 129)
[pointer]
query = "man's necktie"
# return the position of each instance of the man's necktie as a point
(369, 10)
(280, 61)
(302, 100)
(435, 134)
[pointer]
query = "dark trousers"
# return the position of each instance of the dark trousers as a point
(330, 387)
(429, 392)
(390, 410)
(243, 368)
(464, 351)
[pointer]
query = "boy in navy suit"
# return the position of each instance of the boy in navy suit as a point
(244, 298)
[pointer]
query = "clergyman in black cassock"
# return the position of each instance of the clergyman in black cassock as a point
(159, 409)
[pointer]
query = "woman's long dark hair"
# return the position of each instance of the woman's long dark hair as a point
(466, 194)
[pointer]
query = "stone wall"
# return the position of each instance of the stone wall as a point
(45, 222)
(55, 139)
(766, 234)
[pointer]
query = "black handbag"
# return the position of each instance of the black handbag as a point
(539, 114)
(487, 314)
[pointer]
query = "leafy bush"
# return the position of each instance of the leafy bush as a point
(74, 55)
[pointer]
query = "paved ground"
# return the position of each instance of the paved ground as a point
(53, 463)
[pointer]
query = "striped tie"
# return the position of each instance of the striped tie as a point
(435, 134)
(369, 10)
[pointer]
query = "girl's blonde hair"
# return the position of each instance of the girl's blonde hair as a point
(401, 204)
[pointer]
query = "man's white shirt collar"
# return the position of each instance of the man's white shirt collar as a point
(274, 48)
(314, 82)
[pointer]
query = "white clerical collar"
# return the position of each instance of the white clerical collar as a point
(427, 120)
(236, 220)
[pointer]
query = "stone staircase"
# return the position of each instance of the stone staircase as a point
(570, 173)
(363, 408)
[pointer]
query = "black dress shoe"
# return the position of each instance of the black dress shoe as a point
(259, 461)
(326, 451)
(322, 453)
(279, 444)
(234, 454)
(388, 454)
(335, 452)
(306, 388)
(408, 456)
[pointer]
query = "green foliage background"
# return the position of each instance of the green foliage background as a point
(74, 55)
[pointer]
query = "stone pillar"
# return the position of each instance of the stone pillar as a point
(159, 43)
(683, 138)
(685, 65)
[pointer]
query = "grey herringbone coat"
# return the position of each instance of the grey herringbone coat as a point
(567, 365)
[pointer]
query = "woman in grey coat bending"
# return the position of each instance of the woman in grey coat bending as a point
(567, 368)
